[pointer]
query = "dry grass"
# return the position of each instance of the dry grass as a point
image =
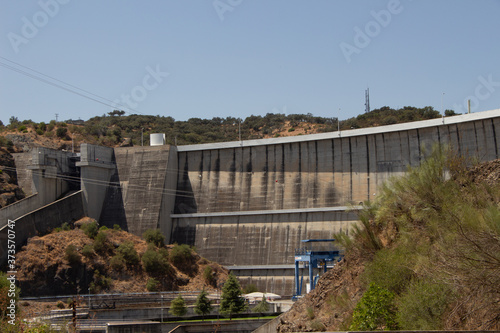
(42, 261)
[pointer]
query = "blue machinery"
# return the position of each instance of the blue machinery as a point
(313, 259)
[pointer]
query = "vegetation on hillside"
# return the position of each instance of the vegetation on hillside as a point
(425, 257)
(116, 129)
(70, 260)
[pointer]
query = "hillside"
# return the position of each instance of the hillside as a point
(116, 129)
(10, 192)
(427, 257)
(107, 263)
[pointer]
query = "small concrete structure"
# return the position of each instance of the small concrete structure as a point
(157, 139)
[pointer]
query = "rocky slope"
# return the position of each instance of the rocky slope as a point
(330, 306)
(10, 192)
(45, 269)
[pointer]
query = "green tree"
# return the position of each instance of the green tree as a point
(375, 311)
(232, 302)
(263, 306)
(178, 307)
(203, 305)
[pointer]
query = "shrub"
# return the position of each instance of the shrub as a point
(154, 236)
(181, 255)
(88, 251)
(21, 128)
(318, 326)
(39, 132)
(60, 305)
(117, 227)
(310, 313)
(91, 229)
(208, 276)
(101, 244)
(101, 282)
(389, 269)
(421, 306)
(154, 263)
(103, 228)
(117, 262)
(65, 226)
(374, 311)
(61, 132)
(71, 255)
(128, 252)
(42, 126)
(152, 285)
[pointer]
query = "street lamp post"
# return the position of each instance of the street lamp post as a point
(161, 309)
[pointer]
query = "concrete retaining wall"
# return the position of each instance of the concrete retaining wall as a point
(42, 221)
(18, 208)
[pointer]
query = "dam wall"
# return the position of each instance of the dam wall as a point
(141, 193)
(251, 202)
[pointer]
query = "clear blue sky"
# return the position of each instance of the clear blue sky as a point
(243, 57)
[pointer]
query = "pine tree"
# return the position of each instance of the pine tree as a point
(232, 302)
(203, 304)
(263, 305)
(178, 308)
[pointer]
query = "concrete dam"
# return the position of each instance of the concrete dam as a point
(248, 204)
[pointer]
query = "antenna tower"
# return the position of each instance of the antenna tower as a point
(367, 100)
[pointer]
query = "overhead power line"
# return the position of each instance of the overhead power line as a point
(50, 80)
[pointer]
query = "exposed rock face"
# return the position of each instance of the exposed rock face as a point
(10, 192)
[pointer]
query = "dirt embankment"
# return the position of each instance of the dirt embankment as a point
(330, 305)
(44, 267)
